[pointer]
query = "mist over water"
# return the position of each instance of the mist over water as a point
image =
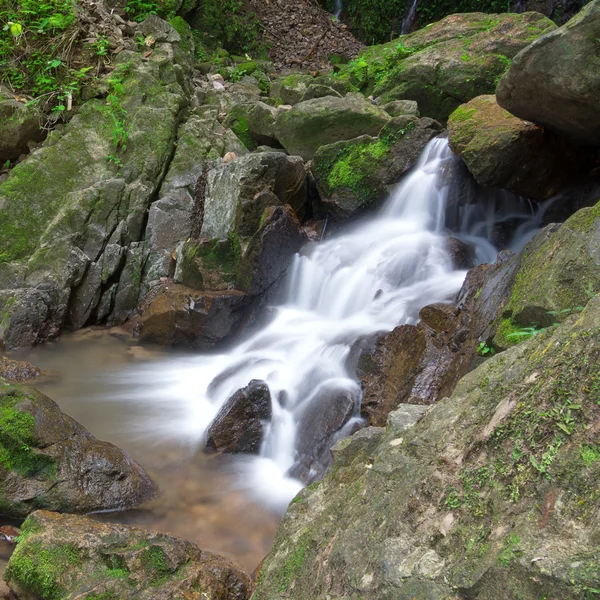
(369, 278)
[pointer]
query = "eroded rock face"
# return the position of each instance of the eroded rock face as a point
(503, 151)
(358, 173)
(448, 505)
(65, 556)
(238, 426)
(181, 316)
(49, 460)
(315, 123)
(447, 63)
(554, 82)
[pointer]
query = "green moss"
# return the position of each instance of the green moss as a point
(222, 256)
(154, 563)
(42, 571)
(17, 438)
(242, 131)
(590, 455)
(185, 31)
(293, 564)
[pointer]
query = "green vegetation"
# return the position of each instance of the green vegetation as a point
(485, 349)
(154, 563)
(138, 10)
(293, 565)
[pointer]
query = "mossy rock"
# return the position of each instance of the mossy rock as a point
(461, 503)
(58, 556)
(447, 63)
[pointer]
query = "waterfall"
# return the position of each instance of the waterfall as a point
(338, 9)
(371, 277)
(409, 19)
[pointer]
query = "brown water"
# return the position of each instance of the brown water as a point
(199, 497)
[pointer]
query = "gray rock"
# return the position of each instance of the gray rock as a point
(397, 108)
(19, 125)
(158, 29)
(405, 417)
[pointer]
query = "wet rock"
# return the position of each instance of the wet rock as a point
(235, 200)
(181, 316)
(17, 370)
(315, 123)
(504, 151)
(356, 174)
(49, 460)
(64, 556)
(554, 81)
(430, 490)
(447, 63)
(19, 126)
(238, 426)
(461, 253)
(270, 251)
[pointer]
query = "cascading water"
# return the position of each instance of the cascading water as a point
(338, 9)
(372, 277)
(409, 19)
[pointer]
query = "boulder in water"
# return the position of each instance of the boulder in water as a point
(315, 123)
(238, 426)
(17, 370)
(461, 253)
(554, 82)
(503, 151)
(60, 556)
(49, 460)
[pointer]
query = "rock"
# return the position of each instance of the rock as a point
(62, 556)
(447, 63)
(462, 254)
(238, 426)
(234, 201)
(49, 460)
(17, 370)
(315, 123)
(503, 151)
(554, 82)
(397, 108)
(316, 90)
(270, 251)
(253, 123)
(19, 125)
(180, 316)
(158, 29)
(356, 174)
(448, 507)
(405, 417)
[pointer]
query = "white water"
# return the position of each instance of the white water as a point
(370, 278)
(409, 18)
(338, 8)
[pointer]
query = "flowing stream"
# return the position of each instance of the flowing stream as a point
(409, 19)
(367, 278)
(338, 9)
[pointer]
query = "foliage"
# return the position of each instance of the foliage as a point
(484, 349)
(138, 10)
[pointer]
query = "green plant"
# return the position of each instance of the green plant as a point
(101, 46)
(485, 349)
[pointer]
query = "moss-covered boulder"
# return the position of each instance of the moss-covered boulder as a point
(447, 63)
(315, 123)
(355, 174)
(298, 87)
(504, 151)
(559, 271)
(253, 123)
(237, 193)
(495, 488)
(48, 460)
(554, 82)
(64, 556)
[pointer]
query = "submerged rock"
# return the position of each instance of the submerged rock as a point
(504, 151)
(238, 426)
(17, 370)
(48, 460)
(358, 173)
(315, 123)
(554, 81)
(447, 63)
(486, 492)
(64, 556)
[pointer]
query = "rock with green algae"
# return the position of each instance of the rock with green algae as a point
(503, 151)
(446, 63)
(554, 82)
(315, 123)
(253, 122)
(495, 488)
(558, 272)
(48, 460)
(66, 556)
(358, 173)
(86, 190)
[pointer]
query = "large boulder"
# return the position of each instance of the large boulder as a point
(315, 123)
(355, 174)
(253, 123)
(48, 460)
(238, 426)
(503, 151)
(554, 81)
(235, 197)
(493, 493)
(181, 316)
(447, 63)
(65, 556)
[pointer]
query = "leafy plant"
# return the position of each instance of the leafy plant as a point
(485, 349)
